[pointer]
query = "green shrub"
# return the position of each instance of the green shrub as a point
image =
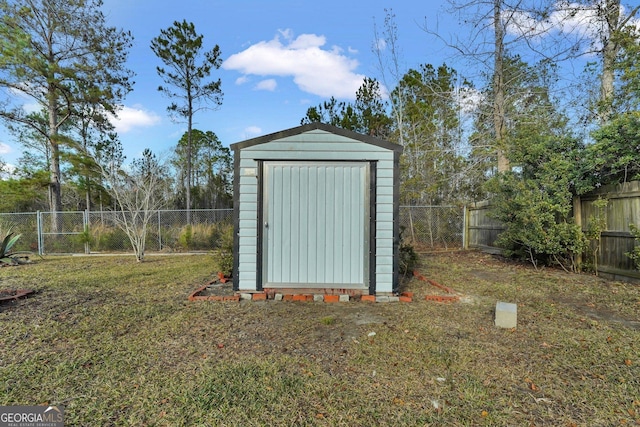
(7, 254)
(408, 257)
(111, 239)
(537, 219)
(86, 237)
(225, 261)
(200, 236)
(596, 225)
(186, 237)
(635, 253)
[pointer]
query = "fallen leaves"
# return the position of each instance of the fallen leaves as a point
(531, 385)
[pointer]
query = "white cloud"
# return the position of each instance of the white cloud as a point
(8, 172)
(569, 18)
(269, 84)
(178, 133)
(25, 101)
(468, 99)
(31, 107)
(251, 131)
(242, 80)
(584, 23)
(315, 70)
(134, 117)
(380, 45)
(4, 148)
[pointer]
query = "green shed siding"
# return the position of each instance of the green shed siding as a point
(346, 263)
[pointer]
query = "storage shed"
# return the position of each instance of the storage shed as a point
(316, 211)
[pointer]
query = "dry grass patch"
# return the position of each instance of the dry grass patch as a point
(117, 343)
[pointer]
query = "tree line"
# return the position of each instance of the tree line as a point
(506, 124)
(517, 132)
(64, 57)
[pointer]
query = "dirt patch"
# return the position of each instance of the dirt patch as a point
(325, 333)
(598, 312)
(217, 288)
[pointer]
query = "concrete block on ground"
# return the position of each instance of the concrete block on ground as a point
(394, 298)
(506, 315)
(245, 296)
(318, 297)
(344, 298)
(382, 298)
(278, 297)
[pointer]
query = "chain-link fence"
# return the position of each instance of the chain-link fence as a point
(168, 231)
(426, 227)
(430, 228)
(91, 232)
(25, 224)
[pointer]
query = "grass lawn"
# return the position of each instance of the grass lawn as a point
(118, 344)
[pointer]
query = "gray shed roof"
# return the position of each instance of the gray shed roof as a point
(317, 126)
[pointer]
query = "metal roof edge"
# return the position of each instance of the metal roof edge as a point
(367, 139)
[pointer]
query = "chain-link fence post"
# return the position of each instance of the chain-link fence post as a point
(159, 233)
(465, 228)
(86, 231)
(39, 237)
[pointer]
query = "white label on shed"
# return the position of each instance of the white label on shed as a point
(249, 172)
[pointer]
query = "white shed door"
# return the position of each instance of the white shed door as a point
(316, 225)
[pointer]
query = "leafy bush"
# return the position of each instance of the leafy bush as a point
(614, 157)
(635, 253)
(186, 237)
(84, 238)
(537, 220)
(225, 242)
(408, 257)
(110, 239)
(597, 224)
(201, 236)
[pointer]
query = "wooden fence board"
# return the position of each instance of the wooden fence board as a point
(623, 209)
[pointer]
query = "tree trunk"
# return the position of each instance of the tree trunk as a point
(189, 148)
(55, 195)
(609, 54)
(498, 89)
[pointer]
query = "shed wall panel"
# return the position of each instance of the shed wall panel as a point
(301, 213)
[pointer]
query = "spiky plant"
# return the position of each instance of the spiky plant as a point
(7, 255)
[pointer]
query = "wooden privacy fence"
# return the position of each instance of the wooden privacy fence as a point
(481, 231)
(622, 209)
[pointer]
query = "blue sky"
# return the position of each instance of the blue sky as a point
(280, 57)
